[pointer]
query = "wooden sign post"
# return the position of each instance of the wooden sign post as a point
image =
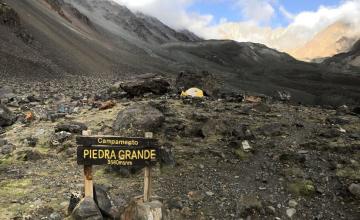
(147, 175)
(88, 184)
(116, 151)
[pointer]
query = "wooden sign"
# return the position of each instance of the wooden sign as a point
(119, 151)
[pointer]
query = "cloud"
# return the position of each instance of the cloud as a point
(255, 26)
(303, 26)
(171, 12)
(259, 11)
(286, 13)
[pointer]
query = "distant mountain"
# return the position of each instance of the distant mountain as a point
(348, 59)
(42, 39)
(336, 38)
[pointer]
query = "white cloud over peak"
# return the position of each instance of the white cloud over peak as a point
(259, 11)
(255, 26)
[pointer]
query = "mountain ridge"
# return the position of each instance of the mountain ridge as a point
(104, 39)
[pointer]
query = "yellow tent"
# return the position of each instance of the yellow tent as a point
(193, 92)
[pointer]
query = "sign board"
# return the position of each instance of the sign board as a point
(119, 151)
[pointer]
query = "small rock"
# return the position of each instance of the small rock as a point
(75, 198)
(274, 129)
(55, 216)
(246, 146)
(331, 133)
(342, 110)
(40, 113)
(283, 95)
(175, 203)
(195, 195)
(60, 137)
(3, 142)
(31, 141)
(29, 154)
(292, 203)
(107, 105)
(290, 212)
(248, 205)
(7, 149)
(209, 193)
(7, 117)
(337, 120)
(71, 126)
(271, 210)
(262, 107)
(355, 189)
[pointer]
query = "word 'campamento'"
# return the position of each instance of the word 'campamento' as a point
(104, 141)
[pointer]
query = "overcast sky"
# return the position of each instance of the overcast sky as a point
(281, 24)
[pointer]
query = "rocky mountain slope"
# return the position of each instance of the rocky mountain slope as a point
(236, 157)
(348, 59)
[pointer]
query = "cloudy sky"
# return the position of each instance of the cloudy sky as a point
(281, 24)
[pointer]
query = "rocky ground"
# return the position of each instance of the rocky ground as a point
(227, 156)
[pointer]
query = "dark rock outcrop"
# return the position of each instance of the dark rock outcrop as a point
(71, 126)
(145, 83)
(137, 118)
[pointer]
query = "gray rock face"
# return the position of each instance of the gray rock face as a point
(7, 118)
(86, 209)
(137, 118)
(203, 80)
(146, 83)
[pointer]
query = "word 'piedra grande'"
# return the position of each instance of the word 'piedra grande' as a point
(107, 154)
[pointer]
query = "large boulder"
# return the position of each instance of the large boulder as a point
(86, 209)
(7, 118)
(145, 83)
(138, 118)
(203, 80)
